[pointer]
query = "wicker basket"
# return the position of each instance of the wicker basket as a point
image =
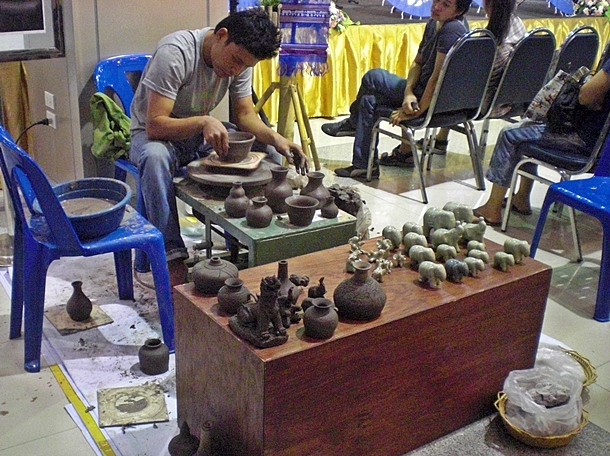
(536, 440)
(590, 374)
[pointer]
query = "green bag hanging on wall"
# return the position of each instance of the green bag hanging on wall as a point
(111, 136)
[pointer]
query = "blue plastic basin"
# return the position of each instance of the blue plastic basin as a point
(96, 223)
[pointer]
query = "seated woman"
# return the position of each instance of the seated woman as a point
(411, 96)
(594, 95)
(508, 29)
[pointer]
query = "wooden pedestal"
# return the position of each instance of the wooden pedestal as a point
(430, 364)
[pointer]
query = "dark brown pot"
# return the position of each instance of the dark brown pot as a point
(237, 202)
(315, 187)
(321, 319)
(330, 209)
(278, 189)
(259, 214)
(184, 444)
(360, 297)
(232, 295)
(301, 209)
(79, 306)
(209, 275)
(154, 357)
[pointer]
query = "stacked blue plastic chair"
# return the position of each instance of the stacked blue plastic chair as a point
(119, 76)
(44, 233)
(590, 196)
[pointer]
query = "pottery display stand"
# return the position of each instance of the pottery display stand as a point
(432, 363)
(291, 105)
(277, 241)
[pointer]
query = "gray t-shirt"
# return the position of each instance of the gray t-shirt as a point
(177, 71)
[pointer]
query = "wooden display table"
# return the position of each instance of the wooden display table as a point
(432, 363)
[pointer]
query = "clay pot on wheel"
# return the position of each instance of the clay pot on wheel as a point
(154, 357)
(240, 143)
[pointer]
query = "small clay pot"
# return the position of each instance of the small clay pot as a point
(301, 209)
(278, 189)
(237, 202)
(240, 143)
(79, 306)
(321, 319)
(330, 209)
(315, 186)
(232, 295)
(154, 357)
(209, 275)
(259, 214)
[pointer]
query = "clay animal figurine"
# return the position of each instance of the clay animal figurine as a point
(399, 259)
(412, 227)
(456, 270)
(419, 253)
(435, 218)
(290, 312)
(445, 252)
(410, 239)
(316, 291)
(393, 234)
(503, 260)
(475, 245)
(479, 254)
(432, 273)
(445, 236)
(474, 266)
(382, 268)
(474, 231)
(463, 212)
(518, 248)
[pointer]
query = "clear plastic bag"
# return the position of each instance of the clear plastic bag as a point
(526, 414)
(554, 357)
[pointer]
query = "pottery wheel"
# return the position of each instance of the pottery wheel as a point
(225, 177)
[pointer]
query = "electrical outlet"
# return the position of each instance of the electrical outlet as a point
(49, 100)
(51, 117)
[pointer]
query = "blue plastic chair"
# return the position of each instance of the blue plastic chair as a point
(591, 196)
(43, 233)
(120, 76)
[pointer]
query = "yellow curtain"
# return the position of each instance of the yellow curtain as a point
(393, 47)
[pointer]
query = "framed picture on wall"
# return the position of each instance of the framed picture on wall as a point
(31, 29)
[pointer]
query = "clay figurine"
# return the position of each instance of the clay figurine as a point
(517, 248)
(463, 212)
(456, 270)
(474, 231)
(392, 233)
(382, 268)
(503, 260)
(410, 239)
(435, 218)
(474, 266)
(419, 253)
(412, 227)
(445, 236)
(260, 322)
(445, 252)
(317, 291)
(479, 254)
(431, 273)
(475, 245)
(289, 312)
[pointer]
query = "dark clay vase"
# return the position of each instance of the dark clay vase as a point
(360, 297)
(315, 187)
(237, 202)
(285, 284)
(232, 295)
(259, 214)
(320, 319)
(154, 357)
(184, 444)
(79, 306)
(329, 209)
(278, 189)
(209, 275)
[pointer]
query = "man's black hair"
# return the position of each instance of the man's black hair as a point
(253, 30)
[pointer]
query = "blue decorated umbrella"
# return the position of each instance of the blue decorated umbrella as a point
(565, 6)
(414, 8)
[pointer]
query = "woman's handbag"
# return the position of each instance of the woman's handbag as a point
(539, 106)
(563, 113)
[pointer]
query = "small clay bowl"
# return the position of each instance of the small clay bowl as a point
(240, 143)
(301, 209)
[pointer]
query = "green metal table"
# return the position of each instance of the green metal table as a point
(278, 241)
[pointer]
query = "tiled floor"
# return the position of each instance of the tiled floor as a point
(32, 416)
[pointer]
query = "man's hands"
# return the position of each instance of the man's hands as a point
(409, 110)
(294, 155)
(216, 135)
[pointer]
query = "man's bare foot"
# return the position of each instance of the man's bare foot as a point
(177, 272)
(491, 217)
